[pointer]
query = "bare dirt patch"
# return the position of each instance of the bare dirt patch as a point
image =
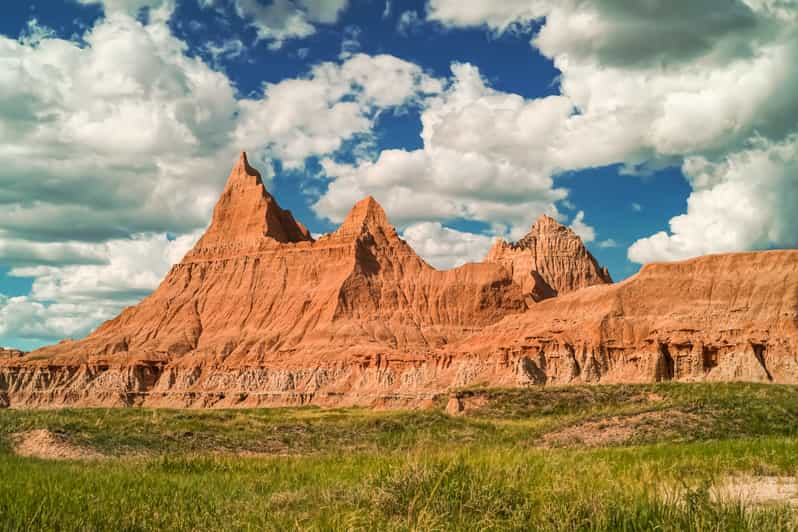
(649, 397)
(461, 405)
(645, 426)
(757, 490)
(50, 446)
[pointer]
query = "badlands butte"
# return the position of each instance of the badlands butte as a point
(259, 313)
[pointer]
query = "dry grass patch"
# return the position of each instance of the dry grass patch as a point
(50, 446)
(645, 426)
(757, 490)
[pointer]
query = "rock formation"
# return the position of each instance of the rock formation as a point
(259, 313)
(715, 318)
(10, 353)
(550, 260)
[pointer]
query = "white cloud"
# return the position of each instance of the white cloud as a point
(637, 207)
(17, 252)
(446, 248)
(746, 201)
(497, 15)
(23, 317)
(409, 21)
(133, 7)
(281, 20)
(128, 134)
(578, 226)
(298, 118)
(102, 140)
(35, 33)
(131, 268)
(228, 49)
(350, 43)
(474, 164)
(607, 244)
(106, 147)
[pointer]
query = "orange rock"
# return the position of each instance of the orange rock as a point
(10, 353)
(258, 313)
(244, 215)
(717, 318)
(550, 260)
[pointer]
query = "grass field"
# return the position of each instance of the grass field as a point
(586, 458)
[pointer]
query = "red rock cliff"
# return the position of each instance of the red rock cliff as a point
(258, 313)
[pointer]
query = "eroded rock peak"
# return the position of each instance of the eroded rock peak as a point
(549, 260)
(366, 217)
(246, 213)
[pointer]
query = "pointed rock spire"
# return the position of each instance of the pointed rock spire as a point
(243, 175)
(367, 216)
(246, 213)
(546, 223)
(549, 260)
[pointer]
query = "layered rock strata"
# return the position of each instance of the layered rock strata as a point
(550, 260)
(727, 317)
(259, 313)
(10, 353)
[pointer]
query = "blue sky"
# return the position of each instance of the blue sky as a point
(658, 131)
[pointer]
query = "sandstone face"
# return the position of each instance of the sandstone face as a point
(10, 353)
(244, 215)
(258, 313)
(550, 260)
(716, 318)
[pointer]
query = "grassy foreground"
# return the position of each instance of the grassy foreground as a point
(584, 458)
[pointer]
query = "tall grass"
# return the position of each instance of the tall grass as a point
(363, 470)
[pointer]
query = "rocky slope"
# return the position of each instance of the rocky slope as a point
(716, 318)
(259, 313)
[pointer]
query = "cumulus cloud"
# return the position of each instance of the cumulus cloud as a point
(131, 7)
(490, 155)
(228, 49)
(496, 15)
(350, 43)
(409, 22)
(444, 247)
(129, 135)
(97, 281)
(607, 244)
(35, 33)
(746, 201)
(18, 252)
(474, 163)
(100, 141)
(298, 118)
(26, 318)
(129, 269)
(281, 20)
(706, 84)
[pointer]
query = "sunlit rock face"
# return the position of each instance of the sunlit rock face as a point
(259, 313)
(550, 260)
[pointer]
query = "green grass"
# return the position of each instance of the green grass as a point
(345, 469)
